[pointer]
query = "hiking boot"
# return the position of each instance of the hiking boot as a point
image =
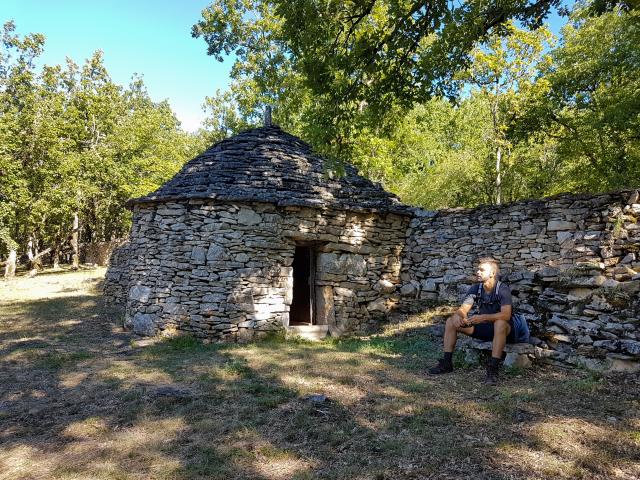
(492, 375)
(443, 366)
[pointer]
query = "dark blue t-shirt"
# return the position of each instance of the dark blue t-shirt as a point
(490, 302)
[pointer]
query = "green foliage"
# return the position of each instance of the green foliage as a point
(446, 104)
(263, 72)
(460, 361)
(455, 148)
(72, 142)
(588, 101)
(59, 360)
(6, 241)
(503, 73)
(589, 382)
(336, 71)
(450, 105)
(237, 367)
(442, 146)
(380, 54)
(177, 345)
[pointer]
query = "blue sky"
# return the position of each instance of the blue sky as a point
(152, 38)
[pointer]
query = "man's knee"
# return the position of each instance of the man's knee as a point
(451, 322)
(501, 327)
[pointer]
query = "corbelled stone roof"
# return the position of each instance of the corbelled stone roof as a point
(269, 165)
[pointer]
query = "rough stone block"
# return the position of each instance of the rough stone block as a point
(591, 281)
(622, 364)
(385, 286)
(344, 292)
(429, 285)
(558, 225)
(472, 356)
(173, 308)
(214, 297)
(198, 255)
(409, 290)
(216, 253)
(345, 264)
(170, 212)
(242, 257)
(248, 217)
(564, 236)
(379, 305)
(630, 346)
(143, 324)
(514, 359)
(139, 293)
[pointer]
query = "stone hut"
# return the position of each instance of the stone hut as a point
(254, 235)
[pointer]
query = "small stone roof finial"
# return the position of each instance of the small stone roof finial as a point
(267, 116)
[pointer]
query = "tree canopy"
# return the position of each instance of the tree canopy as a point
(588, 100)
(378, 53)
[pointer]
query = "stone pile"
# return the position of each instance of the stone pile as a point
(521, 355)
(572, 263)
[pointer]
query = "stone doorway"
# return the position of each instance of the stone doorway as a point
(303, 300)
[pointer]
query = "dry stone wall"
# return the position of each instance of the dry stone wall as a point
(116, 280)
(572, 262)
(225, 270)
(99, 253)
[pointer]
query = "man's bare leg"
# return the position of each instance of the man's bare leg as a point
(445, 365)
(501, 329)
(451, 333)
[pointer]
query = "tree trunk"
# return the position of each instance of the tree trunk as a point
(498, 176)
(33, 271)
(74, 242)
(30, 255)
(56, 258)
(10, 266)
(37, 258)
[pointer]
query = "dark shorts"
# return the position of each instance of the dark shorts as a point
(484, 331)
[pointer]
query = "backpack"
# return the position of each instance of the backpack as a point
(520, 327)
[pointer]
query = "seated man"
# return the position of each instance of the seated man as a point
(492, 322)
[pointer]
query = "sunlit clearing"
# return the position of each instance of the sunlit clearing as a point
(72, 379)
(86, 428)
(274, 463)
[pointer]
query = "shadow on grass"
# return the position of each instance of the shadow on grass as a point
(182, 409)
(80, 320)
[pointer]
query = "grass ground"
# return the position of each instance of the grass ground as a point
(82, 399)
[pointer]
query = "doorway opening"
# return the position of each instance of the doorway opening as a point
(302, 310)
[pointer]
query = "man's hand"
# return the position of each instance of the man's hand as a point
(460, 322)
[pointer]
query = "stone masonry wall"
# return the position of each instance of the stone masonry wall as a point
(572, 262)
(99, 252)
(225, 270)
(116, 280)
